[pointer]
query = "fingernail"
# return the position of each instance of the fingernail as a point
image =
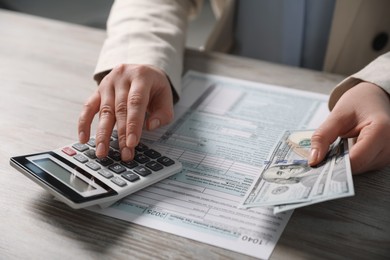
(154, 124)
(126, 154)
(131, 140)
(100, 149)
(313, 156)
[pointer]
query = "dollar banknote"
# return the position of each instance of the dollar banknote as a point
(287, 181)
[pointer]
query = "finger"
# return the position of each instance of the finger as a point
(137, 103)
(160, 110)
(106, 119)
(91, 107)
(121, 93)
(366, 153)
(338, 123)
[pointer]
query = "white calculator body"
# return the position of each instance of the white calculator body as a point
(76, 177)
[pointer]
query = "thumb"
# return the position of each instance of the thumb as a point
(338, 123)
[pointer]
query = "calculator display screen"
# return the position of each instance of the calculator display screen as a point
(67, 181)
(63, 174)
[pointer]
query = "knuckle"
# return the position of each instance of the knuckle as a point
(135, 99)
(122, 140)
(317, 137)
(140, 70)
(88, 106)
(121, 109)
(106, 111)
(319, 141)
(82, 120)
(115, 74)
(131, 126)
(105, 82)
(119, 69)
(101, 136)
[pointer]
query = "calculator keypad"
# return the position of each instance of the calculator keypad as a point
(146, 161)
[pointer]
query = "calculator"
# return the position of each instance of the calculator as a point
(75, 176)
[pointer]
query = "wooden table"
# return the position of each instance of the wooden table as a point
(46, 72)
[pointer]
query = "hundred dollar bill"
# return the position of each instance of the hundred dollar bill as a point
(287, 181)
(336, 183)
(287, 177)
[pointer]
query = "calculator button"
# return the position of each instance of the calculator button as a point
(154, 166)
(80, 147)
(141, 158)
(118, 181)
(69, 151)
(114, 133)
(81, 158)
(92, 142)
(105, 161)
(141, 147)
(165, 161)
(152, 154)
(115, 144)
(117, 168)
(115, 155)
(130, 164)
(90, 153)
(130, 176)
(106, 173)
(141, 170)
(92, 165)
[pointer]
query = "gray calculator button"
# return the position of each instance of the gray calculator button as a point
(165, 161)
(92, 165)
(141, 147)
(154, 166)
(130, 176)
(90, 153)
(118, 181)
(105, 161)
(115, 155)
(81, 158)
(152, 154)
(80, 147)
(141, 158)
(114, 133)
(114, 144)
(106, 173)
(141, 170)
(131, 164)
(117, 168)
(92, 142)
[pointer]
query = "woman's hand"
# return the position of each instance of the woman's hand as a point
(362, 112)
(130, 96)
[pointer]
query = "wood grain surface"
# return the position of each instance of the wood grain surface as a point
(46, 72)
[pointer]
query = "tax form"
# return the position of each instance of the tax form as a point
(224, 131)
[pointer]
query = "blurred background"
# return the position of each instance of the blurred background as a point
(94, 13)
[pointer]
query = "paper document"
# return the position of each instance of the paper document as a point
(223, 133)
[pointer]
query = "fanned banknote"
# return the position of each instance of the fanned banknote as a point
(287, 181)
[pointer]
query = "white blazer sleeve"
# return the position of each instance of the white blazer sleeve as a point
(147, 32)
(377, 72)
